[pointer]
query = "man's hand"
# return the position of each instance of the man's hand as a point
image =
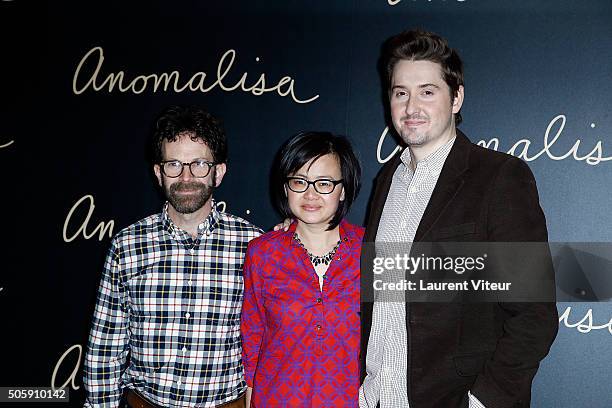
(284, 225)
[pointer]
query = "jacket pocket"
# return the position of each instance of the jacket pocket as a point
(453, 231)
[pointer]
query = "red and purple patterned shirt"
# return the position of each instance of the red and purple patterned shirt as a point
(301, 344)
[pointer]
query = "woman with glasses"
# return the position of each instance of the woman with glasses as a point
(300, 321)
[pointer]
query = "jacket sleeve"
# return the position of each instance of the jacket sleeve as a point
(514, 215)
(253, 315)
(108, 344)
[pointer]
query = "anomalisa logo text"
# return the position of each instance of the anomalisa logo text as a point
(523, 148)
(102, 228)
(174, 81)
(584, 325)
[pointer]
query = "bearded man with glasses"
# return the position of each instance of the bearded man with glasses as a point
(166, 328)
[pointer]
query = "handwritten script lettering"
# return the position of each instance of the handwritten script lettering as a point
(586, 324)
(165, 81)
(101, 229)
(7, 144)
(379, 147)
(594, 157)
(221, 206)
(73, 375)
(522, 147)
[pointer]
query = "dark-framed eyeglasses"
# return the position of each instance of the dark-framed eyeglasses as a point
(174, 168)
(321, 186)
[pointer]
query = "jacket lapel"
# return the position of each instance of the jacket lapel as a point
(449, 183)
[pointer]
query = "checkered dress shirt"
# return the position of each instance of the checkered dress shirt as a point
(386, 361)
(167, 318)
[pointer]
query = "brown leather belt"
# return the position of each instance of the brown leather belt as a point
(135, 400)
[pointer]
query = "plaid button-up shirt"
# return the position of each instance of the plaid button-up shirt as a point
(171, 303)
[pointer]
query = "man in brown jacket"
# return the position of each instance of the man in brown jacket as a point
(444, 188)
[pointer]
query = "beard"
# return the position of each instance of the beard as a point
(413, 138)
(200, 193)
(410, 136)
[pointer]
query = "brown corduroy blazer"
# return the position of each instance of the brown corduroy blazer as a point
(490, 349)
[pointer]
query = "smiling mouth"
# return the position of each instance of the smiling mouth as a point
(310, 208)
(414, 123)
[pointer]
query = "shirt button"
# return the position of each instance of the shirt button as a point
(191, 251)
(188, 315)
(318, 327)
(403, 224)
(190, 283)
(319, 300)
(178, 383)
(184, 350)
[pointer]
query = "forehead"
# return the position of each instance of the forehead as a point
(184, 148)
(324, 166)
(408, 73)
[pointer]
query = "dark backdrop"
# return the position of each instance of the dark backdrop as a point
(533, 70)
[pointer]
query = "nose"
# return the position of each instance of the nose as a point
(411, 106)
(310, 193)
(186, 174)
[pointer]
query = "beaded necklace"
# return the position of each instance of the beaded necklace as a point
(315, 259)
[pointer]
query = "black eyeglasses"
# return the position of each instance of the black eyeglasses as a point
(321, 186)
(198, 168)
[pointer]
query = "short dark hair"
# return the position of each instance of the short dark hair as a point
(418, 45)
(302, 148)
(201, 125)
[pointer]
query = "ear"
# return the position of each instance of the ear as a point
(285, 188)
(458, 100)
(342, 194)
(220, 170)
(157, 171)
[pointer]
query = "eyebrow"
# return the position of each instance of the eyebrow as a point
(196, 159)
(420, 86)
(301, 175)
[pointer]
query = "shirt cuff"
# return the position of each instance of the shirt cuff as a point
(474, 402)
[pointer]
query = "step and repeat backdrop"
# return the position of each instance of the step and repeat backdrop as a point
(82, 81)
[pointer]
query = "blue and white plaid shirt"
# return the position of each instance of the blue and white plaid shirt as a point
(167, 318)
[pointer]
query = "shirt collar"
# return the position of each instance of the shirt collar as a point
(208, 225)
(346, 233)
(433, 163)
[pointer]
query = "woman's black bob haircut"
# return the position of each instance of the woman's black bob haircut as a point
(302, 148)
